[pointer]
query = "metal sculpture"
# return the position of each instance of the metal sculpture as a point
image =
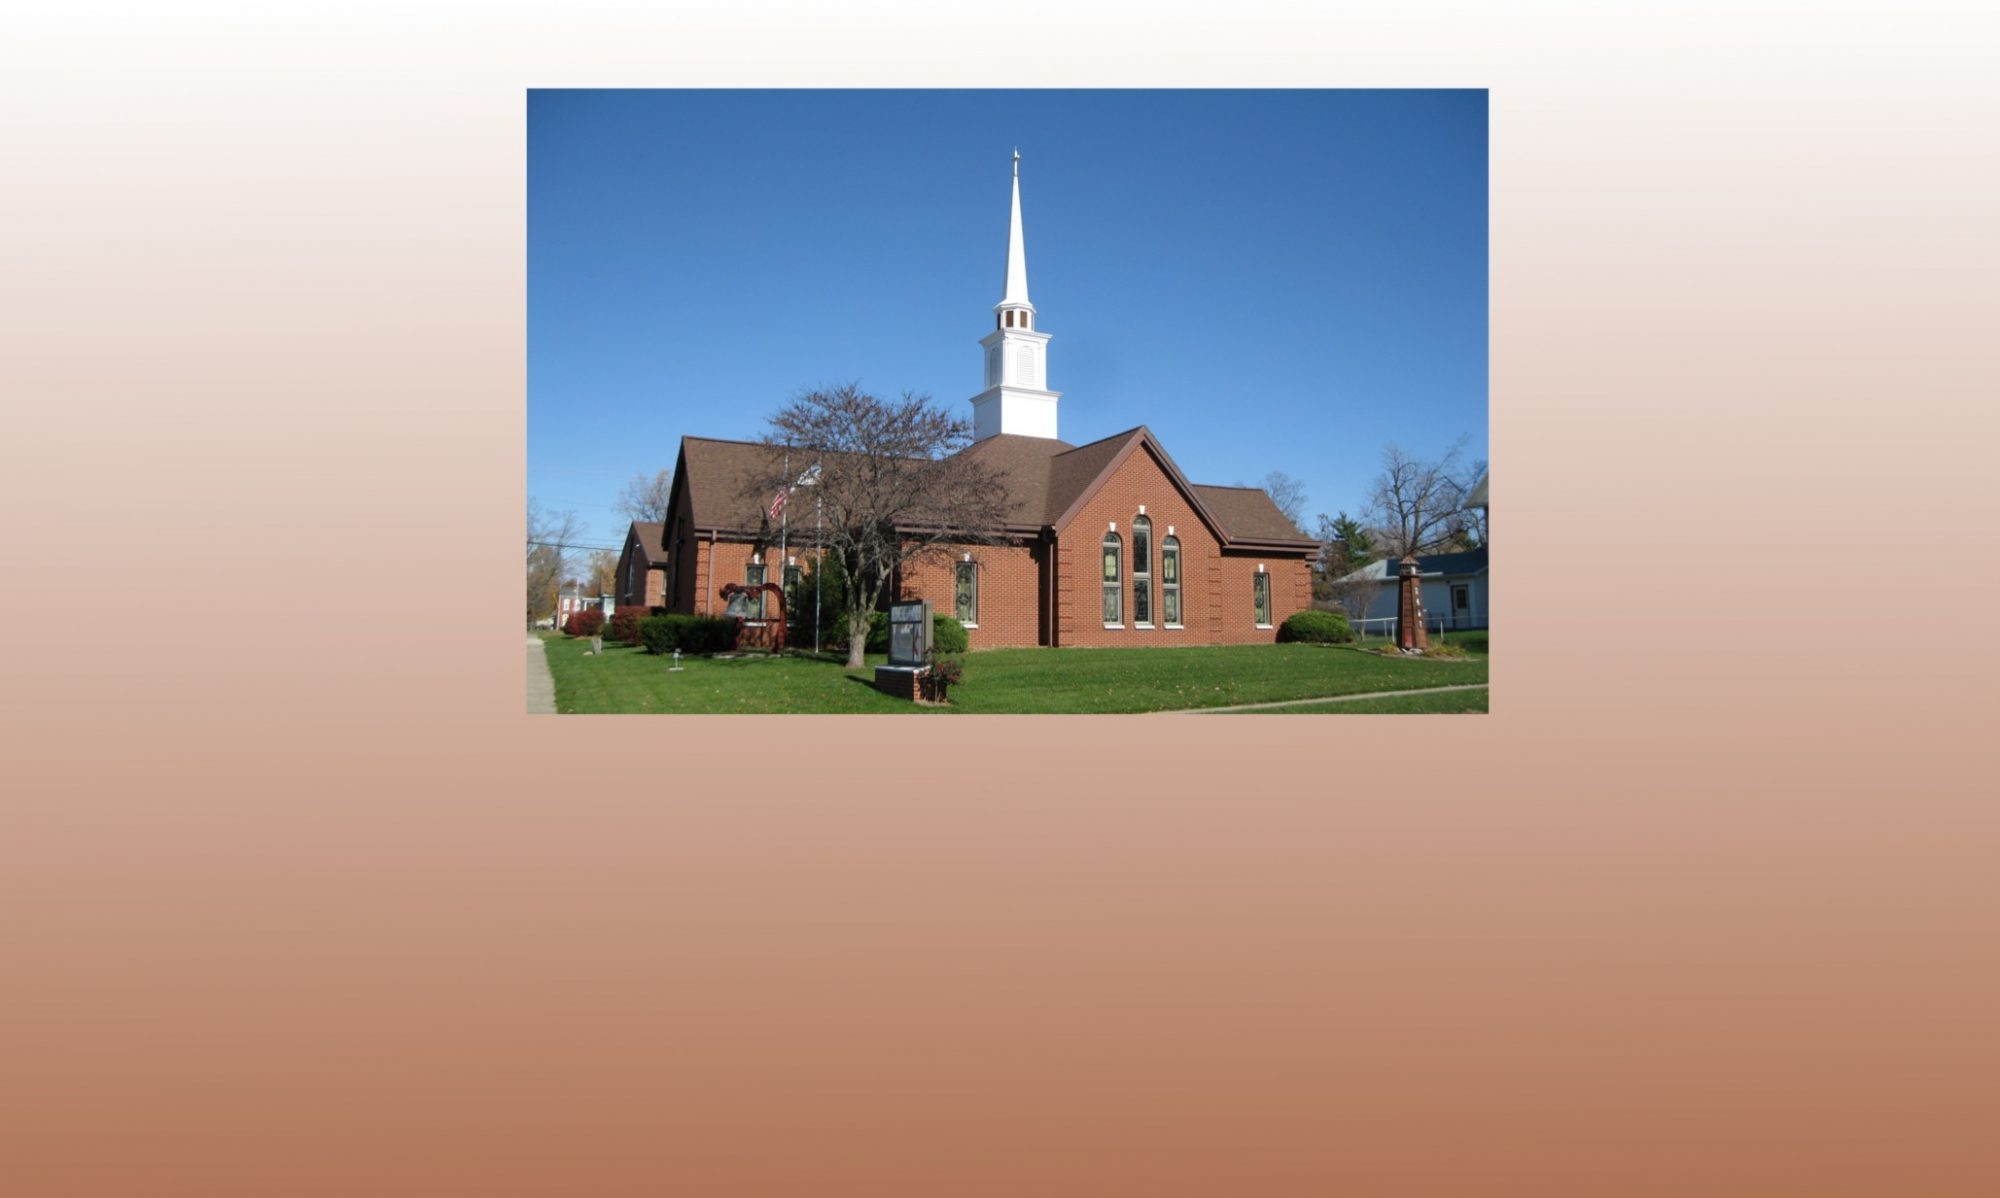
(753, 630)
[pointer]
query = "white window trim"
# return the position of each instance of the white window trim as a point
(973, 623)
(1117, 585)
(1142, 578)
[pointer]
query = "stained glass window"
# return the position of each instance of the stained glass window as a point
(1113, 548)
(968, 593)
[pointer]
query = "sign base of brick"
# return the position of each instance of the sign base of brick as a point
(900, 681)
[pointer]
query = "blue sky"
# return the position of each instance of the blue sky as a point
(1270, 280)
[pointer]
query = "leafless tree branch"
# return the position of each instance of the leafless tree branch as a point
(888, 486)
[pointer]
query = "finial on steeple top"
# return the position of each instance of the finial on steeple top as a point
(1017, 162)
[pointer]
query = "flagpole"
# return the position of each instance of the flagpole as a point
(819, 544)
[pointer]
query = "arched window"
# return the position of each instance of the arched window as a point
(1113, 576)
(967, 594)
(1170, 581)
(1142, 572)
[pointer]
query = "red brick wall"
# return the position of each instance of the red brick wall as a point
(1216, 595)
(703, 570)
(1010, 584)
(1216, 600)
(654, 591)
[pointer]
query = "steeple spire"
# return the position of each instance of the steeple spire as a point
(1016, 399)
(1016, 295)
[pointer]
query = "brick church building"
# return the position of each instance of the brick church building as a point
(1106, 543)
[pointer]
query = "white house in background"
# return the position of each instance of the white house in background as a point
(572, 598)
(1453, 585)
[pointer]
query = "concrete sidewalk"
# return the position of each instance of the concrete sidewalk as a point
(1427, 690)
(541, 686)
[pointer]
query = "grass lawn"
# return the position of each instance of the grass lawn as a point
(998, 681)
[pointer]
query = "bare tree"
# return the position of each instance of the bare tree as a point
(600, 571)
(645, 499)
(1290, 496)
(550, 535)
(888, 487)
(1475, 516)
(1417, 505)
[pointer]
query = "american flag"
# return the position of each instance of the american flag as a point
(777, 503)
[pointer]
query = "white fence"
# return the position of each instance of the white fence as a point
(1434, 622)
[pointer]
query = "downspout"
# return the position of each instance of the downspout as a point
(1049, 555)
(708, 600)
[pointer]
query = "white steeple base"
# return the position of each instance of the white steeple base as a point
(1014, 410)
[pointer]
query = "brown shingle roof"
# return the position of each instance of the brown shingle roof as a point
(1045, 478)
(1027, 463)
(650, 542)
(1072, 474)
(721, 477)
(1247, 513)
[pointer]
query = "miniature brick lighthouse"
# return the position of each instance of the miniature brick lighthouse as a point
(1410, 635)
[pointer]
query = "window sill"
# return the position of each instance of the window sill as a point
(1172, 627)
(963, 624)
(1117, 626)
(1142, 625)
(1266, 626)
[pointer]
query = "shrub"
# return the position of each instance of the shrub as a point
(1316, 628)
(588, 622)
(947, 634)
(625, 624)
(689, 634)
(945, 672)
(658, 634)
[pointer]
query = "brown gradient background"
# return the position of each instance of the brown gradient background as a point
(297, 902)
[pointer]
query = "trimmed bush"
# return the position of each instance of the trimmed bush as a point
(658, 634)
(947, 634)
(588, 622)
(625, 625)
(689, 634)
(1316, 628)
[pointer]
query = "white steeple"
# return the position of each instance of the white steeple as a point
(1015, 400)
(1016, 294)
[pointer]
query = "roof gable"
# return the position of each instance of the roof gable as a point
(1234, 514)
(648, 541)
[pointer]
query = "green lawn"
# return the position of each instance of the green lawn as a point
(1002, 680)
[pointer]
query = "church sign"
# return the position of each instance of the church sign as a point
(909, 633)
